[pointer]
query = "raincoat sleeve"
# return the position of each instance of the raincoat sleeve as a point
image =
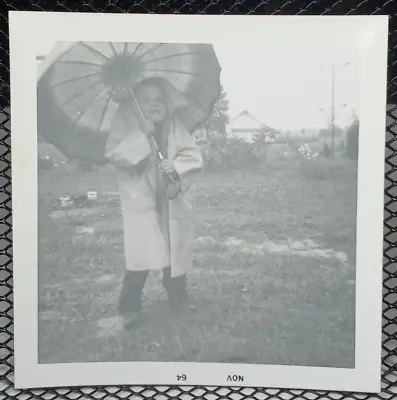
(129, 152)
(127, 145)
(188, 162)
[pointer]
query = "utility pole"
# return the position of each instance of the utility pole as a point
(333, 112)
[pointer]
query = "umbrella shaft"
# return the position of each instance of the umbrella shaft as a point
(159, 154)
(141, 119)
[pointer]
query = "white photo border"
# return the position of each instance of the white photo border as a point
(369, 35)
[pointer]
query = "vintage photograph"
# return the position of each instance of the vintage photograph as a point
(197, 207)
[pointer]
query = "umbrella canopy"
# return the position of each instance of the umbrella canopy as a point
(80, 87)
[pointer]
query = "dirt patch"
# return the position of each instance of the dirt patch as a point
(75, 212)
(107, 279)
(303, 248)
(85, 230)
(109, 326)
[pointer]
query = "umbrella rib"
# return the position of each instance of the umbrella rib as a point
(76, 78)
(172, 56)
(136, 48)
(99, 55)
(133, 53)
(105, 109)
(174, 71)
(79, 93)
(151, 50)
(88, 105)
(86, 63)
(112, 48)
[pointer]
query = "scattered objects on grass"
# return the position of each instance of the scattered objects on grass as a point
(84, 230)
(80, 200)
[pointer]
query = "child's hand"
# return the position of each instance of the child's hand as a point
(173, 185)
(167, 167)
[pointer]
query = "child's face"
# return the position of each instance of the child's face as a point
(152, 103)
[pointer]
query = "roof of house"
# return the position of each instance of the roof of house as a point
(245, 113)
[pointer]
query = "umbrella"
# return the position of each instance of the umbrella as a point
(81, 85)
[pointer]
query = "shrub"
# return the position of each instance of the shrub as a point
(297, 144)
(352, 141)
(306, 151)
(225, 152)
(327, 150)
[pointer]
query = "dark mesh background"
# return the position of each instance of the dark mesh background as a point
(289, 7)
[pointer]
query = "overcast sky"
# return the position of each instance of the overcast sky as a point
(286, 88)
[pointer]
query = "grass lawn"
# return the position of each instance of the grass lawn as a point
(273, 283)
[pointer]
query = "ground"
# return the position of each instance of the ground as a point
(273, 281)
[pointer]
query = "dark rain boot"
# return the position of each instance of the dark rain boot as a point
(130, 300)
(176, 291)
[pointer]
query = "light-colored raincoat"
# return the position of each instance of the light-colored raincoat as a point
(154, 240)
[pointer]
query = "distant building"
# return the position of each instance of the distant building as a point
(246, 126)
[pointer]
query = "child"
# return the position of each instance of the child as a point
(154, 198)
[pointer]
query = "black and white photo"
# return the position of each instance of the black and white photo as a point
(203, 207)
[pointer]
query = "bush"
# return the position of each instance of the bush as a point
(225, 152)
(352, 141)
(296, 144)
(327, 153)
(306, 151)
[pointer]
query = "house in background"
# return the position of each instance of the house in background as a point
(246, 126)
